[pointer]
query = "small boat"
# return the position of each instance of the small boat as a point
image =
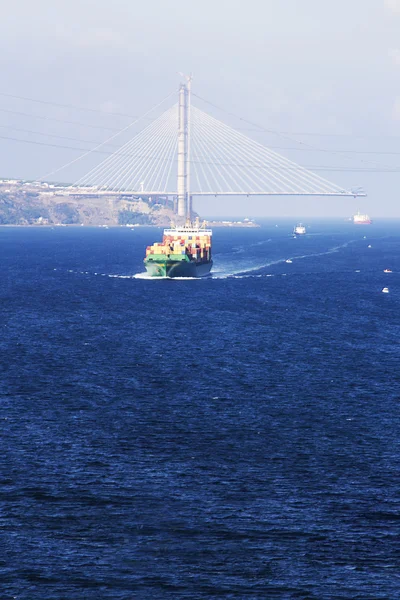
(289, 261)
(299, 229)
(387, 271)
(385, 290)
(369, 246)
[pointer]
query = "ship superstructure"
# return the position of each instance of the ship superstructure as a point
(183, 252)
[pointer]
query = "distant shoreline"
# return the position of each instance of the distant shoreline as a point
(248, 224)
(226, 224)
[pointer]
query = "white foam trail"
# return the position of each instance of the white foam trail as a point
(148, 277)
(243, 272)
(143, 275)
(224, 273)
(242, 249)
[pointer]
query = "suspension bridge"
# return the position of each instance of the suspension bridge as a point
(186, 152)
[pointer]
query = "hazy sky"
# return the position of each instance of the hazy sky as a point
(326, 73)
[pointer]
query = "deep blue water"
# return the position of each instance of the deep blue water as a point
(232, 437)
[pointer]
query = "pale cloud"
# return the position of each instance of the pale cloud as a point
(392, 5)
(396, 109)
(101, 37)
(110, 107)
(394, 54)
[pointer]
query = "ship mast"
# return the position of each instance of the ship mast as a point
(183, 183)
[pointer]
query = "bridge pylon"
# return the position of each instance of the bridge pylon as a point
(184, 200)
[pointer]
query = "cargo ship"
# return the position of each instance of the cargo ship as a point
(359, 219)
(183, 252)
(299, 230)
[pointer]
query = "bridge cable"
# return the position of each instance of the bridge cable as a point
(108, 139)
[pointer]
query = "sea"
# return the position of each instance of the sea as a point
(234, 437)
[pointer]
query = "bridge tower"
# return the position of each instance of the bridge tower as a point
(183, 184)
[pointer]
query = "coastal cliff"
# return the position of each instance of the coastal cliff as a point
(24, 203)
(40, 204)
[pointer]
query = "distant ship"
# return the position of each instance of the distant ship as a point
(299, 229)
(183, 252)
(359, 219)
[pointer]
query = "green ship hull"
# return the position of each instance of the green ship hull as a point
(176, 265)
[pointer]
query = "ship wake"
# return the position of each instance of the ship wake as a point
(227, 270)
(242, 272)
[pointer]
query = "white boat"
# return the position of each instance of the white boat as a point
(299, 229)
(385, 290)
(360, 219)
(387, 270)
(289, 261)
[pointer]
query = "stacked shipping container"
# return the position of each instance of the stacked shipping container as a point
(196, 246)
